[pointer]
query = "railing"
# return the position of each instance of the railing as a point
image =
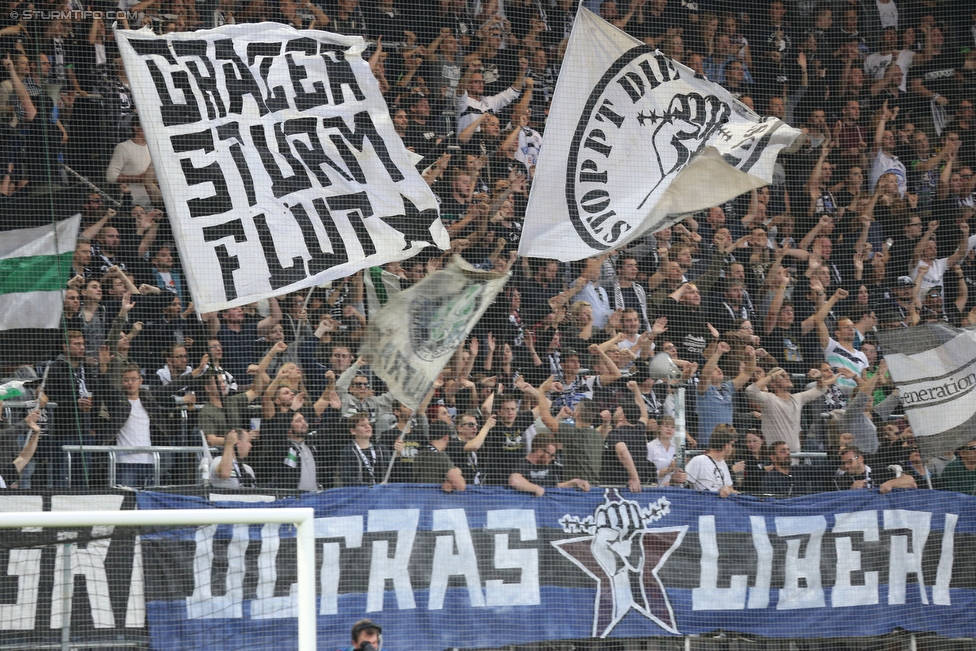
(113, 452)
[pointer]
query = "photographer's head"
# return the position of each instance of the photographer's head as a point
(367, 636)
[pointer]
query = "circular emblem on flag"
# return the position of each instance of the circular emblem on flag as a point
(438, 326)
(641, 126)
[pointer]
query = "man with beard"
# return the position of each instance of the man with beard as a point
(783, 478)
(71, 383)
(855, 474)
(536, 472)
(782, 409)
(289, 460)
(106, 250)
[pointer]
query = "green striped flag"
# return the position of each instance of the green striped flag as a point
(35, 264)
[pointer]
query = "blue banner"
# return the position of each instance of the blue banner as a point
(490, 567)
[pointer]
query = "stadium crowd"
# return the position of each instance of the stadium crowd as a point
(769, 304)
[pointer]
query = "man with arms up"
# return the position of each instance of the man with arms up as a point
(582, 442)
(781, 409)
(226, 471)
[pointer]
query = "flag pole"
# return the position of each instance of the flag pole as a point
(92, 186)
(389, 468)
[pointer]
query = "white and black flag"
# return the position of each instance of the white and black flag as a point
(276, 157)
(634, 141)
(934, 368)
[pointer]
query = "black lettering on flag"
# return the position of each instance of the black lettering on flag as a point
(364, 130)
(605, 113)
(596, 140)
(172, 112)
(304, 100)
(228, 263)
(357, 209)
(280, 276)
(216, 204)
(232, 131)
(589, 173)
(153, 47)
(321, 259)
(341, 74)
(276, 99)
(206, 83)
(414, 224)
(199, 140)
(313, 156)
(280, 184)
(238, 79)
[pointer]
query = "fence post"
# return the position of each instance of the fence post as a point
(67, 583)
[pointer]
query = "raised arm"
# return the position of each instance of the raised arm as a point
(270, 321)
(544, 404)
(962, 248)
(772, 313)
(613, 373)
(820, 316)
(962, 296)
(30, 111)
(886, 116)
(748, 368)
(226, 464)
(27, 452)
(711, 365)
(923, 242)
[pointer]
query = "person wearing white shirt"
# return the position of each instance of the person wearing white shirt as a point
(935, 269)
(227, 471)
(662, 452)
(709, 471)
(471, 101)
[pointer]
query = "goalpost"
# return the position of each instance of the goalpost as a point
(302, 518)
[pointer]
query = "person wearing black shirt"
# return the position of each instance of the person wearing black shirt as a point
(754, 461)
(11, 449)
(537, 292)
(858, 475)
(784, 478)
(625, 448)
(434, 465)
(464, 448)
(902, 247)
(412, 426)
(782, 338)
(361, 463)
(421, 133)
(933, 84)
(534, 473)
(238, 333)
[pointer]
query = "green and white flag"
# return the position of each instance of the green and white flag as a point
(414, 336)
(35, 264)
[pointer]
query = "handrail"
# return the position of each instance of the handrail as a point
(113, 452)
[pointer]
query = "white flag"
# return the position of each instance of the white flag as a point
(276, 157)
(634, 139)
(413, 337)
(934, 368)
